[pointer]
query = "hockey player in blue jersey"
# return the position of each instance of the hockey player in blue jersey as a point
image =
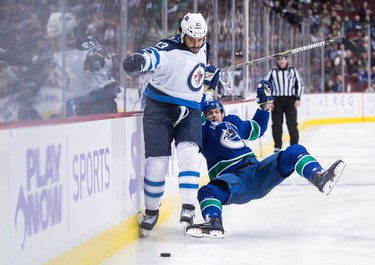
(172, 112)
(236, 176)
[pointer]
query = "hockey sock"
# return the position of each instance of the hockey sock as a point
(296, 157)
(307, 166)
(189, 165)
(211, 197)
(154, 183)
(211, 207)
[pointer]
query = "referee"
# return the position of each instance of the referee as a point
(288, 89)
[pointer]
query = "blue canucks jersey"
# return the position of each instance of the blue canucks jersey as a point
(224, 143)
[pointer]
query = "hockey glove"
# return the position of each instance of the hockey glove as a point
(264, 92)
(94, 62)
(133, 63)
(212, 76)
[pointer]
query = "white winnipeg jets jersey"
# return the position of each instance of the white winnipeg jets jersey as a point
(178, 72)
(78, 81)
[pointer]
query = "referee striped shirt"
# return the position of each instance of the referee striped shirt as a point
(286, 82)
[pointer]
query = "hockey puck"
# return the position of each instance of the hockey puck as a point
(165, 254)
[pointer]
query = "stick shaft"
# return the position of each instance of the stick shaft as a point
(348, 44)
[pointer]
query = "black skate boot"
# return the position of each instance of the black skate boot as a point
(149, 220)
(187, 215)
(213, 228)
(326, 180)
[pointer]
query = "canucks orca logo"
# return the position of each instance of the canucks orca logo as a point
(196, 77)
(230, 139)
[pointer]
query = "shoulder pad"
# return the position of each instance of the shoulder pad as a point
(169, 44)
(89, 44)
(232, 118)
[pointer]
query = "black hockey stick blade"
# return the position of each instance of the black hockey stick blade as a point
(350, 45)
(347, 43)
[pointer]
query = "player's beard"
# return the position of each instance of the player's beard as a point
(195, 49)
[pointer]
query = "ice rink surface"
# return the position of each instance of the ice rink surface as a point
(294, 223)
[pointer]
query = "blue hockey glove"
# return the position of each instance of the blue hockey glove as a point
(133, 63)
(264, 92)
(212, 76)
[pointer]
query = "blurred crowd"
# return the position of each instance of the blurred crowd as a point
(26, 56)
(354, 20)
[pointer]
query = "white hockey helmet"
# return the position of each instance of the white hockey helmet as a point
(55, 24)
(194, 25)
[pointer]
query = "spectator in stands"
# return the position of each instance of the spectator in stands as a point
(372, 76)
(372, 57)
(328, 69)
(8, 93)
(88, 85)
(357, 24)
(347, 5)
(363, 11)
(278, 7)
(313, 19)
(362, 76)
(337, 5)
(29, 87)
(337, 63)
(370, 89)
(347, 24)
(352, 68)
(337, 87)
(329, 86)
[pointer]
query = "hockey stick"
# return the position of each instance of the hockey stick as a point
(347, 43)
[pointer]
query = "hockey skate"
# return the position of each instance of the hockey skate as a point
(148, 222)
(213, 228)
(187, 215)
(326, 180)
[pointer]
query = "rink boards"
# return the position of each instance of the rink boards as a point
(73, 187)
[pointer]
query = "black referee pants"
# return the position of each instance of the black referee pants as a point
(284, 105)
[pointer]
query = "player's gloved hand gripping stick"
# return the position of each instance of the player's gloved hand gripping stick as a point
(264, 94)
(212, 76)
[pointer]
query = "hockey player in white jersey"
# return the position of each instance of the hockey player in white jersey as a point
(82, 68)
(172, 112)
(236, 175)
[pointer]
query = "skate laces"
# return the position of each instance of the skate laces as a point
(150, 219)
(187, 214)
(325, 180)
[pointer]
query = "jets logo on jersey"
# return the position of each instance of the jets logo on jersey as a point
(196, 77)
(230, 139)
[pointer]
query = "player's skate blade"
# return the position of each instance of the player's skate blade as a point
(184, 227)
(337, 174)
(187, 216)
(326, 180)
(144, 232)
(197, 232)
(213, 228)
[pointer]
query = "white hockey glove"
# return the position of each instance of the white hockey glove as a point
(212, 76)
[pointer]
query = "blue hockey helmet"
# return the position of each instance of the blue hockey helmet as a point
(212, 104)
